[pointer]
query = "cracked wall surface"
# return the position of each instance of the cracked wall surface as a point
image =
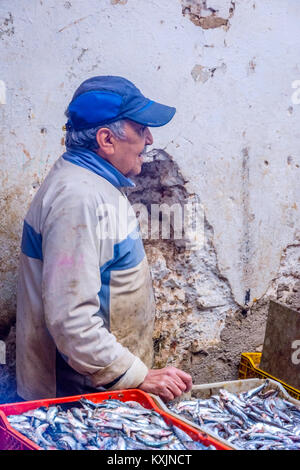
(228, 68)
(209, 14)
(285, 287)
(199, 326)
(193, 299)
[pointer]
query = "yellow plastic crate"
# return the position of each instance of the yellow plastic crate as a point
(249, 368)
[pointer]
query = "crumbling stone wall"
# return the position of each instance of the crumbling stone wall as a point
(285, 287)
(199, 325)
(13, 203)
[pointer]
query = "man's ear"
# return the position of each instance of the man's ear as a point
(106, 141)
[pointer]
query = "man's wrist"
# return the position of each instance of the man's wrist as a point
(133, 377)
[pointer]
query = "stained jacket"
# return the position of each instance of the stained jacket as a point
(85, 301)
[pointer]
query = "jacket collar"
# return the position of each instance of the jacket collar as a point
(93, 162)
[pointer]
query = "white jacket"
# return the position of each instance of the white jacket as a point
(84, 290)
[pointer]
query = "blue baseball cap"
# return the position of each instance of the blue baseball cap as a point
(105, 99)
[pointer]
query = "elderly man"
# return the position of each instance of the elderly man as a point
(85, 303)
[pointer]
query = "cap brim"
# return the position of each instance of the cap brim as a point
(152, 115)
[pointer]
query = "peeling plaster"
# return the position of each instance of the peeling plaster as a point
(202, 74)
(199, 326)
(192, 297)
(285, 287)
(206, 16)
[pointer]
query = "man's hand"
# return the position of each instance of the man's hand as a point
(168, 383)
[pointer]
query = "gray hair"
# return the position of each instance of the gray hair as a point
(87, 138)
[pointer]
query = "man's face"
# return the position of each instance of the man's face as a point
(127, 156)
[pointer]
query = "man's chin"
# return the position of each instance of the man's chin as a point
(134, 172)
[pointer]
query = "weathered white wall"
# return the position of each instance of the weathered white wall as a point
(227, 66)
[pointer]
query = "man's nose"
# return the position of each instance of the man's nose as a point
(149, 137)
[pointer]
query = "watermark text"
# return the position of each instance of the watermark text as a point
(295, 358)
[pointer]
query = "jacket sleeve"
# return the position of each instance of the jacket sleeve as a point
(72, 256)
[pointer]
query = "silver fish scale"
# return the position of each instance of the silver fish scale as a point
(251, 420)
(109, 425)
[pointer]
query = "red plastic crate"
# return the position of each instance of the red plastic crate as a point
(10, 439)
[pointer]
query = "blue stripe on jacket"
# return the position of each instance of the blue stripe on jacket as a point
(31, 244)
(127, 254)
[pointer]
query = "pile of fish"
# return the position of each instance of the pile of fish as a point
(254, 420)
(109, 425)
